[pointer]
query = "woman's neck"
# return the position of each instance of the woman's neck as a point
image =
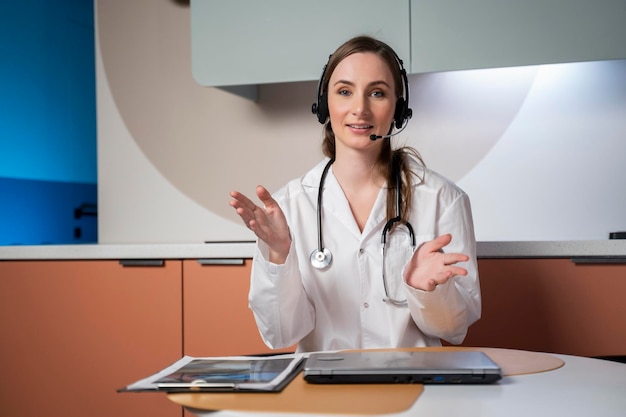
(357, 170)
(361, 182)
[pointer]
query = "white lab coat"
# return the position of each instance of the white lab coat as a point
(343, 307)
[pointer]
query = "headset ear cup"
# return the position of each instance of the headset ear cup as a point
(322, 108)
(399, 115)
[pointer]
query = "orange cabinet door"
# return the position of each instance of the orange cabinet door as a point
(73, 332)
(552, 305)
(217, 320)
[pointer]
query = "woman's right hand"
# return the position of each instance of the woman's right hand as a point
(430, 266)
(268, 222)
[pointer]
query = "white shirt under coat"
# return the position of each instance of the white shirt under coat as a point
(343, 307)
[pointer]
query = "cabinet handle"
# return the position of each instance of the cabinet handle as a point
(599, 259)
(142, 262)
(221, 261)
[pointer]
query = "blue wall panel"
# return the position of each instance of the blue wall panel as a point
(47, 119)
(36, 212)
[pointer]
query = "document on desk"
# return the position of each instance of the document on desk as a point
(223, 374)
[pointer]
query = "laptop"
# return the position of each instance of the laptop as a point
(422, 367)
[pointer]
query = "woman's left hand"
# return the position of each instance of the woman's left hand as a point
(431, 266)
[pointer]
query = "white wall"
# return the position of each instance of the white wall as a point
(169, 150)
(540, 150)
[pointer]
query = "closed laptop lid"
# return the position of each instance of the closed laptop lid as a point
(465, 367)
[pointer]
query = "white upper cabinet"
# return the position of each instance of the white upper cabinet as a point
(236, 43)
(240, 42)
(460, 34)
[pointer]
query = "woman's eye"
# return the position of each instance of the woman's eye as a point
(378, 94)
(343, 92)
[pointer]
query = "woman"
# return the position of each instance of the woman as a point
(346, 294)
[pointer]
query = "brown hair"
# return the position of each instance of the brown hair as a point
(389, 160)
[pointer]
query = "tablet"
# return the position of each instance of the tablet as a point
(423, 367)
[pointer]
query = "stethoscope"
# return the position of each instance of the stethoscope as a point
(321, 258)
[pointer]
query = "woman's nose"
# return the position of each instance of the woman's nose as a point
(360, 105)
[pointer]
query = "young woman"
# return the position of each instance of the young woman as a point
(319, 278)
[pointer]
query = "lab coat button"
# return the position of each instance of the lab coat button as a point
(366, 305)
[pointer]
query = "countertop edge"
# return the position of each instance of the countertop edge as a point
(552, 249)
(245, 250)
(238, 250)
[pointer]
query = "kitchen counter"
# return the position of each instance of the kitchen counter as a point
(229, 250)
(221, 250)
(615, 248)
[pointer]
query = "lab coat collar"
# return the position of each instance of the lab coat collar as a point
(334, 202)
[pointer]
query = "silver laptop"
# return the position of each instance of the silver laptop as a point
(422, 367)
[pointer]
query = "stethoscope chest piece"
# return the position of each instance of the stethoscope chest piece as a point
(321, 258)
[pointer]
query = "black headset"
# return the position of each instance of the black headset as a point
(401, 114)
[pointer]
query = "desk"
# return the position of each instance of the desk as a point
(581, 387)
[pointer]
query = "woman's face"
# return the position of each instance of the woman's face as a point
(361, 100)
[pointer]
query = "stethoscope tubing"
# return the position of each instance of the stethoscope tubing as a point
(321, 258)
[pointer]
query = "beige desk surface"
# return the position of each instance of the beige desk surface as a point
(301, 397)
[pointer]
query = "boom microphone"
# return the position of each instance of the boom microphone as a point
(375, 137)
